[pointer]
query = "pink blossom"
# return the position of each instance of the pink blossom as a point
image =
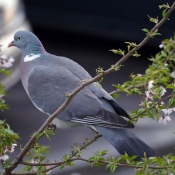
(163, 119)
(167, 111)
(162, 46)
(11, 149)
(150, 84)
(172, 74)
(1, 95)
(149, 95)
(161, 104)
(140, 75)
(4, 157)
(6, 63)
(4, 57)
(148, 104)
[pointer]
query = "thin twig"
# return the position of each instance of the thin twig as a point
(91, 161)
(129, 88)
(167, 97)
(19, 158)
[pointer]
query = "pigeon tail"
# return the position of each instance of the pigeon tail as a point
(124, 140)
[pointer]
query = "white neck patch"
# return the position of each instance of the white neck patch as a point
(31, 57)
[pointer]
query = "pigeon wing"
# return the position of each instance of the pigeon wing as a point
(47, 89)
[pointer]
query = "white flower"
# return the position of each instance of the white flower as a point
(167, 111)
(6, 63)
(162, 46)
(148, 104)
(163, 90)
(141, 104)
(4, 157)
(150, 84)
(4, 57)
(164, 119)
(11, 149)
(172, 74)
(161, 104)
(33, 167)
(1, 95)
(165, 64)
(149, 95)
(11, 59)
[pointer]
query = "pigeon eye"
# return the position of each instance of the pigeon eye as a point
(19, 37)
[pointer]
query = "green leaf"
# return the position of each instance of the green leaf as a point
(108, 166)
(113, 168)
(146, 30)
(38, 136)
(145, 166)
(140, 163)
(171, 102)
(164, 13)
(170, 86)
(5, 72)
(104, 152)
(166, 6)
(150, 114)
(119, 51)
(62, 166)
(141, 110)
(96, 159)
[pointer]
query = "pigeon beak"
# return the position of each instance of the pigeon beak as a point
(11, 44)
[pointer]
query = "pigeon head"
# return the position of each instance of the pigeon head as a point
(27, 41)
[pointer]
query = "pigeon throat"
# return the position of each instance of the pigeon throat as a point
(33, 52)
(31, 57)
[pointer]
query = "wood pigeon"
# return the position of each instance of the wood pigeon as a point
(47, 78)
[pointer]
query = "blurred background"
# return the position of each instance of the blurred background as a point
(84, 31)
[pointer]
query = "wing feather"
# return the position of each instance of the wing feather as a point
(104, 118)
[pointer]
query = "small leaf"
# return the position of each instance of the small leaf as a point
(146, 30)
(108, 166)
(164, 13)
(170, 86)
(62, 166)
(38, 136)
(141, 110)
(145, 167)
(104, 152)
(150, 114)
(171, 102)
(113, 168)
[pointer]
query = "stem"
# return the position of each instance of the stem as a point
(129, 88)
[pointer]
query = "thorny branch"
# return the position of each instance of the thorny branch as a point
(57, 164)
(27, 147)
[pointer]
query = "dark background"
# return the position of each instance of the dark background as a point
(85, 31)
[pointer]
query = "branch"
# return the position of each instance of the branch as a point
(27, 147)
(91, 161)
(57, 163)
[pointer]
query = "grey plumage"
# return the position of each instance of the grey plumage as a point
(46, 79)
